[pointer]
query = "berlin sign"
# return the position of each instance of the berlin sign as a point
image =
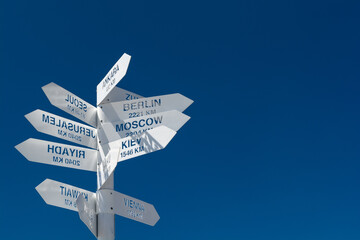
(112, 112)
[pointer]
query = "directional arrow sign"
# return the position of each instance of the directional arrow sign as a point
(70, 103)
(130, 147)
(87, 213)
(116, 111)
(57, 154)
(119, 94)
(109, 132)
(113, 77)
(63, 128)
(117, 203)
(149, 141)
(62, 195)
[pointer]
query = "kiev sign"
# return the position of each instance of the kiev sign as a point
(124, 125)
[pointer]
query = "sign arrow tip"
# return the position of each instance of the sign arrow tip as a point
(41, 190)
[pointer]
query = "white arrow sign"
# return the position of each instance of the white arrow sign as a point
(62, 195)
(87, 213)
(112, 78)
(117, 203)
(57, 154)
(149, 141)
(70, 103)
(109, 132)
(120, 94)
(116, 111)
(130, 147)
(63, 128)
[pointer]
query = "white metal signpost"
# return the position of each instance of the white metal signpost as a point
(124, 125)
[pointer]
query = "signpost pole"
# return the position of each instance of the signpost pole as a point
(106, 221)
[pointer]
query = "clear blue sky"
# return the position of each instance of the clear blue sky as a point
(272, 150)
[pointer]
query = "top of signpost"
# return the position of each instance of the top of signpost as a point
(112, 78)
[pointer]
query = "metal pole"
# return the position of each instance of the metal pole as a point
(106, 221)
